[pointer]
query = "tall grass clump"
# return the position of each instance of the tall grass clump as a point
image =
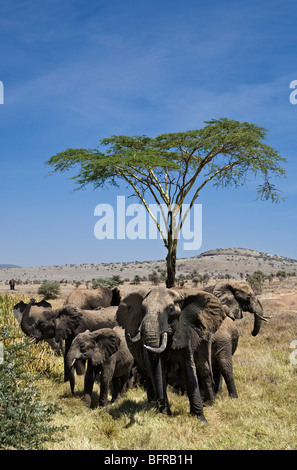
(25, 420)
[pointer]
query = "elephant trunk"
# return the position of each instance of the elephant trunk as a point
(258, 317)
(154, 338)
(70, 362)
(161, 348)
(150, 331)
(156, 375)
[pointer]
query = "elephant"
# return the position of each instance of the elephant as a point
(12, 284)
(129, 316)
(236, 297)
(35, 312)
(107, 353)
(239, 297)
(165, 324)
(224, 343)
(91, 299)
(65, 323)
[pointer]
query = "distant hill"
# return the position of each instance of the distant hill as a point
(237, 262)
(6, 266)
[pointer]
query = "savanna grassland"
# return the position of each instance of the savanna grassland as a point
(263, 417)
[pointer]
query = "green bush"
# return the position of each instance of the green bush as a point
(49, 289)
(107, 282)
(25, 420)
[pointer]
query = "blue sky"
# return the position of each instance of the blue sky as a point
(75, 72)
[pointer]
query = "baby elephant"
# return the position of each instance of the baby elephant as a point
(107, 353)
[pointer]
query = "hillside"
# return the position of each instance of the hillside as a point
(5, 266)
(233, 261)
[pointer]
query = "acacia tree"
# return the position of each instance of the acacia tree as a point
(173, 168)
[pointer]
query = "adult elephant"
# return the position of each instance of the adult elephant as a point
(239, 297)
(129, 316)
(107, 353)
(164, 325)
(90, 299)
(34, 313)
(236, 297)
(65, 324)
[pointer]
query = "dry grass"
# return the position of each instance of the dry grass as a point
(263, 417)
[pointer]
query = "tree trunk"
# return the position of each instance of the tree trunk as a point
(171, 266)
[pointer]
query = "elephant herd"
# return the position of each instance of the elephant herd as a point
(182, 337)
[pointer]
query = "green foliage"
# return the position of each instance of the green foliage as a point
(154, 278)
(107, 281)
(281, 274)
(224, 152)
(136, 280)
(49, 289)
(256, 281)
(25, 420)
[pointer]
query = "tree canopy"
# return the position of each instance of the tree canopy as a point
(175, 166)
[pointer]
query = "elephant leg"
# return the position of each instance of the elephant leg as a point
(217, 377)
(68, 342)
(119, 386)
(226, 369)
(104, 388)
(88, 384)
(106, 376)
(203, 365)
(191, 382)
(116, 388)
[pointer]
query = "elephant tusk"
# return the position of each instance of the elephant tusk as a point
(72, 363)
(161, 348)
(135, 338)
(263, 317)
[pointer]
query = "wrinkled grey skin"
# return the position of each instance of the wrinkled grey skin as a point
(129, 316)
(35, 312)
(236, 297)
(223, 344)
(166, 321)
(65, 323)
(107, 353)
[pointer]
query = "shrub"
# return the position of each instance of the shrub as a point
(136, 280)
(107, 281)
(256, 280)
(49, 289)
(25, 421)
(154, 278)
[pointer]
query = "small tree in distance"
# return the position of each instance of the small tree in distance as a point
(49, 289)
(174, 168)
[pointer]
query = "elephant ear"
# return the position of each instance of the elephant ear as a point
(67, 320)
(107, 342)
(43, 303)
(226, 293)
(201, 312)
(129, 314)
